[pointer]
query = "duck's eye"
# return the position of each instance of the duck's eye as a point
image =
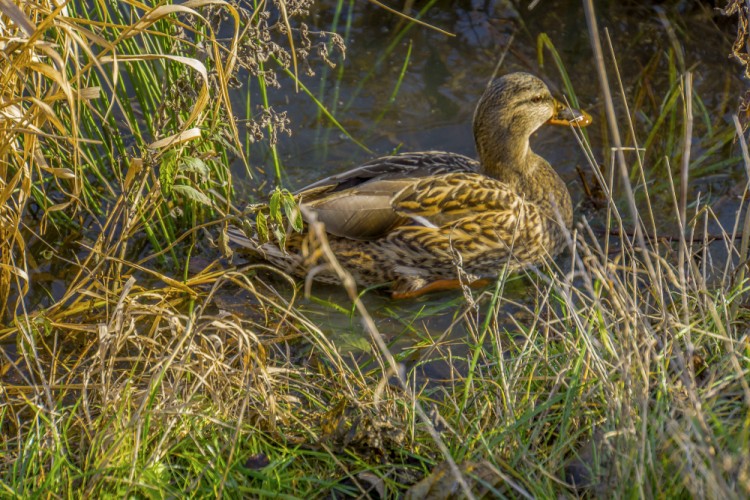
(537, 99)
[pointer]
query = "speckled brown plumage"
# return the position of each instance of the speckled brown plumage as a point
(417, 218)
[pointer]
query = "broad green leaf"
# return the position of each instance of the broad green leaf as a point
(167, 172)
(280, 235)
(274, 206)
(292, 211)
(191, 164)
(261, 226)
(191, 193)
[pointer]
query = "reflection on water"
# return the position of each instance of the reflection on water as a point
(443, 78)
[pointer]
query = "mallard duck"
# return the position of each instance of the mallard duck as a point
(433, 220)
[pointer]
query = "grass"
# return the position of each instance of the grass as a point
(623, 368)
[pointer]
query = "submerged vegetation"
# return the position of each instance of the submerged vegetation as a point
(126, 370)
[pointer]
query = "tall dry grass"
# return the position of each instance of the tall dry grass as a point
(81, 97)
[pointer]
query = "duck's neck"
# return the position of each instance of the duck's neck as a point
(504, 154)
(528, 174)
(509, 162)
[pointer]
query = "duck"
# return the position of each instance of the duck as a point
(433, 220)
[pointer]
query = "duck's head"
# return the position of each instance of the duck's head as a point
(509, 111)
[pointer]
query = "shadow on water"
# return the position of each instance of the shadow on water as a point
(431, 107)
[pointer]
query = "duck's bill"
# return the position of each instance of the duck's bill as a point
(565, 115)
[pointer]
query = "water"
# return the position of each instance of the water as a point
(444, 77)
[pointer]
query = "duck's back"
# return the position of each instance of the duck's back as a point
(359, 204)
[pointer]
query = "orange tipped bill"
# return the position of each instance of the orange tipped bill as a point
(565, 115)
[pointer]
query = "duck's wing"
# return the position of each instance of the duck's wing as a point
(358, 204)
(440, 200)
(476, 216)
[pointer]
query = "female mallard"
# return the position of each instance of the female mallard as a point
(431, 220)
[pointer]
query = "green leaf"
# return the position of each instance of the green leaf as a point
(280, 235)
(274, 206)
(292, 211)
(191, 193)
(167, 172)
(261, 226)
(191, 164)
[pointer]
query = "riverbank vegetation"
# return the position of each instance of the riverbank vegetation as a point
(125, 370)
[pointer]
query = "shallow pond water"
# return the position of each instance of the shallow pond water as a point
(431, 107)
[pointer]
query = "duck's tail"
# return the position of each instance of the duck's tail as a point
(242, 231)
(242, 238)
(238, 237)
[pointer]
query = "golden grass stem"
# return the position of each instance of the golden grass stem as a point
(615, 131)
(745, 241)
(684, 176)
(318, 229)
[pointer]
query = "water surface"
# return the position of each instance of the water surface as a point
(443, 78)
